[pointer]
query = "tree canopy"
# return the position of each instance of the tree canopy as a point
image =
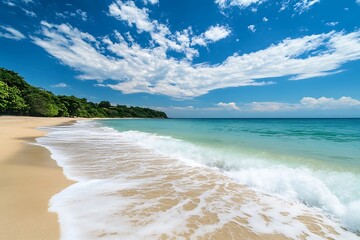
(17, 97)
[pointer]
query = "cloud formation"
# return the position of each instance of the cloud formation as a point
(160, 34)
(228, 106)
(60, 85)
(152, 70)
(239, 3)
(78, 13)
(299, 6)
(216, 33)
(153, 2)
(11, 33)
(306, 103)
(252, 28)
(304, 5)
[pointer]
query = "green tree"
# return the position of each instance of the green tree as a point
(41, 103)
(11, 101)
(17, 97)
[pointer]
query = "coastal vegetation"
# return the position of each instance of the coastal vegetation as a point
(17, 97)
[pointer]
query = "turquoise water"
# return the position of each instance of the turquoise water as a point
(133, 178)
(312, 161)
(316, 143)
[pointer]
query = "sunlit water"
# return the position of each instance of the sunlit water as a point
(309, 162)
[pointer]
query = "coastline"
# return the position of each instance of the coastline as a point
(29, 177)
(143, 194)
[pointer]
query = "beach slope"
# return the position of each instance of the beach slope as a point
(28, 179)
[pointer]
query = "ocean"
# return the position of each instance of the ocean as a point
(153, 178)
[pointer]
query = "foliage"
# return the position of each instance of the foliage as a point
(17, 97)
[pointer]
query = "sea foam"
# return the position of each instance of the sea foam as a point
(113, 169)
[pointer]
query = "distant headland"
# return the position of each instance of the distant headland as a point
(17, 97)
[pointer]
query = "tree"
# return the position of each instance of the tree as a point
(11, 101)
(17, 97)
(104, 104)
(41, 104)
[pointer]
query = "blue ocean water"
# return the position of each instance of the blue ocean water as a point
(317, 143)
(313, 161)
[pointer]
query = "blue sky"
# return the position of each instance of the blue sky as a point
(205, 58)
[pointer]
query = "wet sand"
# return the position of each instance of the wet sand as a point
(28, 179)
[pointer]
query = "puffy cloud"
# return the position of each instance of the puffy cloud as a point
(328, 103)
(213, 34)
(265, 19)
(133, 15)
(153, 2)
(11, 33)
(252, 28)
(228, 106)
(180, 41)
(151, 70)
(60, 85)
(216, 33)
(358, 2)
(306, 103)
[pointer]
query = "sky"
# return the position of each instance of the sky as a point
(203, 58)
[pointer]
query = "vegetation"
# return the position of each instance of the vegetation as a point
(17, 97)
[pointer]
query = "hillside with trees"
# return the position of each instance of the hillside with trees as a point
(17, 97)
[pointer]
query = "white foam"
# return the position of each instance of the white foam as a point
(96, 156)
(336, 193)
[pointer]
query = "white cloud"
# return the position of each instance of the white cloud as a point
(216, 33)
(180, 41)
(134, 16)
(332, 24)
(9, 3)
(268, 107)
(82, 14)
(265, 19)
(228, 106)
(11, 33)
(153, 2)
(358, 2)
(328, 103)
(252, 28)
(187, 108)
(239, 3)
(151, 70)
(28, 1)
(59, 85)
(304, 5)
(299, 6)
(78, 14)
(306, 103)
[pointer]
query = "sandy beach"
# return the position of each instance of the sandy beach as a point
(198, 203)
(28, 179)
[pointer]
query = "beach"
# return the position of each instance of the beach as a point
(28, 179)
(135, 185)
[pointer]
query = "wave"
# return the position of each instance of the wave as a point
(336, 193)
(107, 165)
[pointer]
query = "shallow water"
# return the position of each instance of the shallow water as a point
(135, 181)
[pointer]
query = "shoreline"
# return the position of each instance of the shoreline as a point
(137, 190)
(29, 177)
